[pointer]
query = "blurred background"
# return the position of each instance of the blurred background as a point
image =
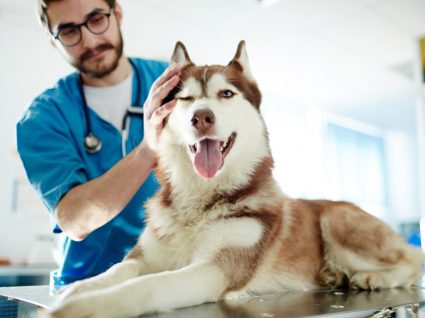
(342, 88)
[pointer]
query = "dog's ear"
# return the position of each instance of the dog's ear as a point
(241, 59)
(180, 55)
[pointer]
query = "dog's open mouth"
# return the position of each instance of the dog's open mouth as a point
(209, 155)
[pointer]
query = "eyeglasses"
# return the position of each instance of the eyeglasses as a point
(71, 34)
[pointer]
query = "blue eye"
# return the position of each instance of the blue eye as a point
(226, 93)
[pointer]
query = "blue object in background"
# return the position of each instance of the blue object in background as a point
(8, 308)
(414, 239)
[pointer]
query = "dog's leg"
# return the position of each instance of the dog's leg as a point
(368, 251)
(116, 274)
(189, 286)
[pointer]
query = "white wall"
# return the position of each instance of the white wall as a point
(28, 65)
(295, 132)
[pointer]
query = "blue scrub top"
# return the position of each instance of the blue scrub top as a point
(50, 143)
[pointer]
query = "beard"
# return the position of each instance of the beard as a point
(103, 71)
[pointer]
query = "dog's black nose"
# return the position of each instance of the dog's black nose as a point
(203, 119)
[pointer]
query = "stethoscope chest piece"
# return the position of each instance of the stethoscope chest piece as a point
(92, 143)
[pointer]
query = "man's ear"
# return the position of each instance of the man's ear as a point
(241, 58)
(118, 12)
(180, 55)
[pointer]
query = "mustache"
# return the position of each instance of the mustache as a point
(90, 52)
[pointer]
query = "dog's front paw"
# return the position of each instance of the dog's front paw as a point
(78, 288)
(43, 313)
(55, 313)
(73, 308)
(87, 305)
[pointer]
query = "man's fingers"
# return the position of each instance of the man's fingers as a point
(160, 94)
(166, 88)
(161, 112)
(171, 71)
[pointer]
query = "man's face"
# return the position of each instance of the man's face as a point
(96, 55)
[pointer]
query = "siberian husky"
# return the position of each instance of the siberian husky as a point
(220, 226)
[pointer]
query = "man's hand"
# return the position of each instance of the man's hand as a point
(154, 112)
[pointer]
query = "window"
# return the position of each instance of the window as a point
(356, 168)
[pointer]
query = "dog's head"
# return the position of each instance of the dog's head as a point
(216, 125)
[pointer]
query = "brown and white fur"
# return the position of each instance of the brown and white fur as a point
(220, 226)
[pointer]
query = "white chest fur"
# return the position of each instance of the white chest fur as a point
(172, 243)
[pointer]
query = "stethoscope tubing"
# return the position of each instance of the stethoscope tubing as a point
(92, 143)
(132, 110)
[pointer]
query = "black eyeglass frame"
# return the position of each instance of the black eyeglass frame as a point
(85, 23)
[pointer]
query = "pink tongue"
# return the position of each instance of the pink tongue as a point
(208, 158)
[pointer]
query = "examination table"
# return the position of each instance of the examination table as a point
(401, 303)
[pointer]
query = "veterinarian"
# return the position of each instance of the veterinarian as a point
(88, 143)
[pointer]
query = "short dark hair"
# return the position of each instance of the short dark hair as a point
(41, 10)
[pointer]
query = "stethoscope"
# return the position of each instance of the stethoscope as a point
(92, 143)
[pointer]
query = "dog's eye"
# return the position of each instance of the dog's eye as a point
(226, 93)
(186, 98)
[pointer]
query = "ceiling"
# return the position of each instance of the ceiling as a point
(355, 58)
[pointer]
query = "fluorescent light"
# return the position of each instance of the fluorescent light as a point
(268, 3)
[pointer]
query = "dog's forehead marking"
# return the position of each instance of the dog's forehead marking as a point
(204, 80)
(201, 75)
(218, 82)
(192, 87)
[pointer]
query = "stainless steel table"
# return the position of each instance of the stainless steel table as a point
(401, 303)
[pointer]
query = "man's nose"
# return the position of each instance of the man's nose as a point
(203, 120)
(88, 37)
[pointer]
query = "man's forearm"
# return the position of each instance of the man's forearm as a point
(88, 206)
(91, 205)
